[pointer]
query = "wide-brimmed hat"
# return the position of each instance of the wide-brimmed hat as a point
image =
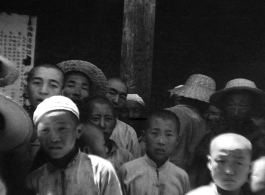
(237, 85)
(18, 125)
(8, 72)
(96, 76)
(198, 86)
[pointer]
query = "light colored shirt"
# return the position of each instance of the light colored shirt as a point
(125, 137)
(192, 130)
(85, 174)
(210, 190)
(142, 177)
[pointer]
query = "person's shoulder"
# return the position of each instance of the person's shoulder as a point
(134, 163)
(206, 190)
(124, 152)
(100, 163)
(177, 170)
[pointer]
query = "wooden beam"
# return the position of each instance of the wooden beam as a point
(137, 46)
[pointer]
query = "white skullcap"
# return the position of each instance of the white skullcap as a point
(136, 98)
(54, 103)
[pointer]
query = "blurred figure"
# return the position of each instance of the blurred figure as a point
(257, 178)
(8, 72)
(214, 121)
(213, 118)
(194, 101)
(16, 129)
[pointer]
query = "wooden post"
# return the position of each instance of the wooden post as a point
(137, 46)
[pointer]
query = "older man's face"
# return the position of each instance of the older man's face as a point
(238, 106)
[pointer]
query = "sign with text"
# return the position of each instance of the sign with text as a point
(17, 43)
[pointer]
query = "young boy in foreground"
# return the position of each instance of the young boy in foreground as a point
(67, 171)
(229, 164)
(153, 174)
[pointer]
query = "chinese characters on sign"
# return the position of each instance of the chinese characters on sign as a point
(17, 43)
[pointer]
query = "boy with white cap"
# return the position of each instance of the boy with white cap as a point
(67, 171)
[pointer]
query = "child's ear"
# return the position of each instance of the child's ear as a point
(79, 131)
(209, 165)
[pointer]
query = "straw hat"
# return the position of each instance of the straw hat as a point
(198, 86)
(8, 72)
(237, 85)
(96, 76)
(17, 124)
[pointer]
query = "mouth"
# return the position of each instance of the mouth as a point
(229, 181)
(160, 151)
(54, 148)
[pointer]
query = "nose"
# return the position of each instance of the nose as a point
(102, 124)
(77, 91)
(115, 99)
(161, 140)
(44, 89)
(229, 170)
(55, 137)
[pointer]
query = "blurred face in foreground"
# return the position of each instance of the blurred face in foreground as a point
(161, 139)
(230, 161)
(257, 180)
(57, 133)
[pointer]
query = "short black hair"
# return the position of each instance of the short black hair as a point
(45, 65)
(120, 80)
(165, 115)
(86, 109)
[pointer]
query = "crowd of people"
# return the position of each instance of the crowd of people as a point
(85, 134)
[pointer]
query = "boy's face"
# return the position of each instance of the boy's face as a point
(230, 164)
(57, 133)
(45, 82)
(103, 117)
(161, 139)
(76, 87)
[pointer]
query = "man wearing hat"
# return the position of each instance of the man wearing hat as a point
(195, 94)
(239, 101)
(82, 80)
(16, 129)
